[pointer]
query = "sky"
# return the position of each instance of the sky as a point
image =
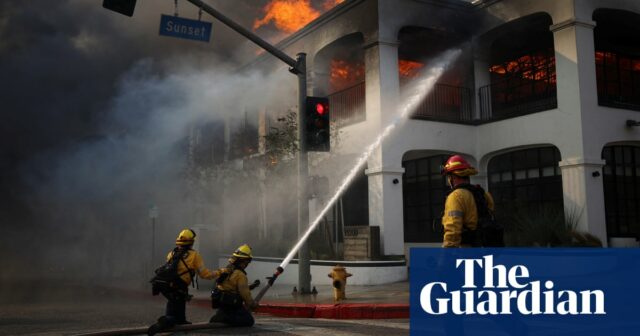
(86, 93)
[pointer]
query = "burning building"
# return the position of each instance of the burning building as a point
(538, 100)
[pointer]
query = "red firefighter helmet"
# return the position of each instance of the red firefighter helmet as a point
(457, 165)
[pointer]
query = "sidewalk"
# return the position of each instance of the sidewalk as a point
(363, 302)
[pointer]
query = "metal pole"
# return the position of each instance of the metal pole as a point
(304, 270)
(299, 68)
(153, 240)
(248, 34)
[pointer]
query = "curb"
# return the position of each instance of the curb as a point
(343, 311)
(340, 311)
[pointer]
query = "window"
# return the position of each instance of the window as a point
(424, 191)
(523, 84)
(618, 78)
(528, 178)
(622, 190)
(617, 44)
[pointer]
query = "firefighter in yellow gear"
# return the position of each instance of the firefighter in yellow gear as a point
(177, 293)
(339, 276)
(232, 294)
(460, 213)
(193, 263)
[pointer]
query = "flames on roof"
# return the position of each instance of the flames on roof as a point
(289, 16)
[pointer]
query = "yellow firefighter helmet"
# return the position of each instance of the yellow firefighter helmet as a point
(186, 237)
(243, 251)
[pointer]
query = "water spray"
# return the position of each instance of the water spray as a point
(417, 91)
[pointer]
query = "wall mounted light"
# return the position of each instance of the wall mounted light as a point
(631, 123)
(395, 181)
(595, 173)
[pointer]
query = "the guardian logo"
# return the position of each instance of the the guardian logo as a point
(505, 291)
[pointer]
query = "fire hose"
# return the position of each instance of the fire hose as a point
(271, 279)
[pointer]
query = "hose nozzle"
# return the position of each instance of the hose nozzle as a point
(271, 279)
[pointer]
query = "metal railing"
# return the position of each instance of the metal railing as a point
(501, 101)
(446, 103)
(348, 105)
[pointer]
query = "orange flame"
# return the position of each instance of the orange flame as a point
(345, 74)
(287, 15)
(529, 67)
(291, 15)
(328, 4)
(409, 69)
(610, 57)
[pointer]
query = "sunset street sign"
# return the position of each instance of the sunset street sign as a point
(185, 28)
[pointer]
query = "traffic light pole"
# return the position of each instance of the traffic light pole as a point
(248, 34)
(298, 68)
(304, 268)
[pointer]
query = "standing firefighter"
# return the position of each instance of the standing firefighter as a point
(468, 211)
(173, 279)
(232, 294)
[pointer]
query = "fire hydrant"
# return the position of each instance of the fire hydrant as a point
(339, 275)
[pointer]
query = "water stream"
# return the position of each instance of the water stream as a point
(417, 91)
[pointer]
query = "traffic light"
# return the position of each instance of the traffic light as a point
(318, 127)
(125, 7)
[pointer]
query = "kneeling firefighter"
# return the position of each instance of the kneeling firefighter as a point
(172, 280)
(232, 293)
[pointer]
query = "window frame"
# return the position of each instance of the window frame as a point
(423, 191)
(622, 192)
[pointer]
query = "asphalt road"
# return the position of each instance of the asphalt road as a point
(69, 311)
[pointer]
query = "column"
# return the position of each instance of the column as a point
(577, 102)
(385, 178)
(584, 195)
(385, 208)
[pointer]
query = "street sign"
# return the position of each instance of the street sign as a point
(153, 212)
(185, 28)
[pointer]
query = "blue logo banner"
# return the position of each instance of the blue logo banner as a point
(476, 291)
(185, 28)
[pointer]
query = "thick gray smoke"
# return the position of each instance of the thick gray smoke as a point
(97, 194)
(99, 115)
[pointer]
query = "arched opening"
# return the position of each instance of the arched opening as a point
(522, 69)
(451, 98)
(617, 44)
(526, 181)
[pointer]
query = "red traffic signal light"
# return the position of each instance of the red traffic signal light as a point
(317, 132)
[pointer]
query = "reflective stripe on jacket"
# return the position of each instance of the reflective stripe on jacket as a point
(460, 213)
(193, 259)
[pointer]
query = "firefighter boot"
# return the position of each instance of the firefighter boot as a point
(218, 317)
(162, 324)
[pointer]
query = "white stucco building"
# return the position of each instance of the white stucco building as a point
(539, 102)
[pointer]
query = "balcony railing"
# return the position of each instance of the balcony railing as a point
(348, 105)
(446, 103)
(501, 101)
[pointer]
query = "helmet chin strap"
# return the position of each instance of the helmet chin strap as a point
(450, 181)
